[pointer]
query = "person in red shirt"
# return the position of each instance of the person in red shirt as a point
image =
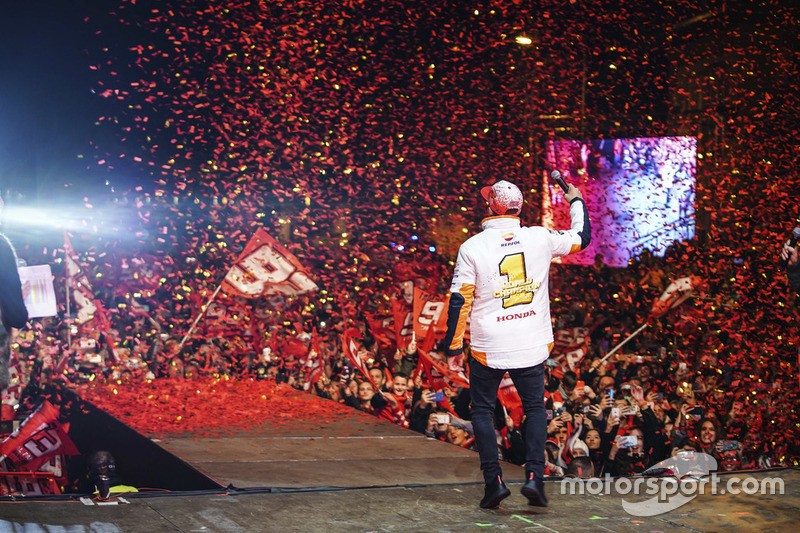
(392, 406)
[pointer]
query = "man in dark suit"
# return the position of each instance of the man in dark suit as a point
(13, 314)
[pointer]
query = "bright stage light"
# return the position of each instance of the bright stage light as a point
(80, 219)
(55, 218)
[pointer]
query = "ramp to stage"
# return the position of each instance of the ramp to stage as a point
(357, 451)
(289, 439)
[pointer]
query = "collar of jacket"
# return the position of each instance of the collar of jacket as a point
(500, 221)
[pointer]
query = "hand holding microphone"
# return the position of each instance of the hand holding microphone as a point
(789, 252)
(570, 192)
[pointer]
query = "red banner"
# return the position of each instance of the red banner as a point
(677, 293)
(429, 312)
(79, 285)
(354, 350)
(429, 341)
(440, 376)
(88, 307)
(438, 370)
(509, 398)
(403, 323)
(266, 267)
(38, 438)
(315, 361)
(570, 346)
(27, 484)
(382, 328)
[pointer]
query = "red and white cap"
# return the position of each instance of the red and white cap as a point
(504, 198)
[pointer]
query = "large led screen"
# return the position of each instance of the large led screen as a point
(640, 194)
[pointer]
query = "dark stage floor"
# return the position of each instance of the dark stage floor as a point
(363, 474)
(445, 507)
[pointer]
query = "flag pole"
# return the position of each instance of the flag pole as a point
(66, 291)
(205, 308)
(65, 352)
(199, 316)
(682, 298)
(69, 322)
(620, 345)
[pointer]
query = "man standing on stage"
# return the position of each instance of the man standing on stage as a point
(501, 283)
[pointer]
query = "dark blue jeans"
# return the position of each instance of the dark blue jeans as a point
(483, 385)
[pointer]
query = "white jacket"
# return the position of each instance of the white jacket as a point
(501, 283)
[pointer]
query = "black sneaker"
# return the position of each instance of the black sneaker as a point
(533, 489)
(494, 493)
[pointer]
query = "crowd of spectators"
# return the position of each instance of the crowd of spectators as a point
(689, 382)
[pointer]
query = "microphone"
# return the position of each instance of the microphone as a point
(795, 237)
(792, 242)
(556, 175)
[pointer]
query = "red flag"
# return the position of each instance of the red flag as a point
(509, 398)
(382, 329)
(79, 284)
(403, 324)
(677, 293)
(429, 341)
(353, 349)
(315, 360)
(428, 312)
(38, 438)
(89, 308)
(57, 467)
(266, 267)
(567, 340)
(28, 484)
(436, 381)
(575, 357)
(457, 379)
(570, 346)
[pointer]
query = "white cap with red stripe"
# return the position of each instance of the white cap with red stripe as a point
(504, 198)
